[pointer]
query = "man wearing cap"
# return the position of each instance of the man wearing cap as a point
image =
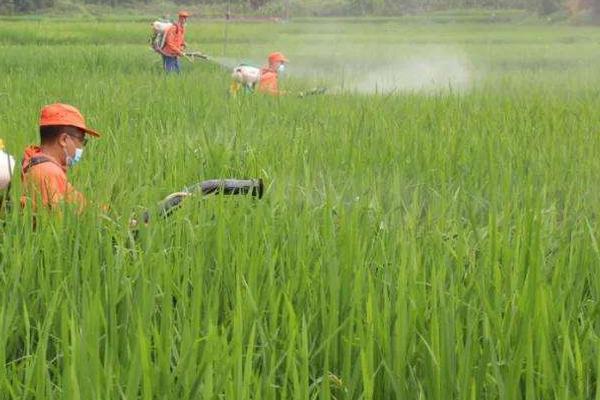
(174, 43)
(63, 136)
(269, 75)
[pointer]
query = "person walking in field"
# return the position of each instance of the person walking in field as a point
(63, 136)
(174, 43)
(269, 75)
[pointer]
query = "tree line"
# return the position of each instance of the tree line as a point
(342, 7)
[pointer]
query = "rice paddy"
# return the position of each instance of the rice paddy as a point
(429, 228)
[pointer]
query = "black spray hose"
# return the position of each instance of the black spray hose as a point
(233, 186)
(253, 187)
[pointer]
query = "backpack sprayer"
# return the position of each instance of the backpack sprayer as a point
(252, 187)
(246, 77)
(159, 33)
(7, 166)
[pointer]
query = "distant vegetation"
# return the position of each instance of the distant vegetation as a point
(583, 9)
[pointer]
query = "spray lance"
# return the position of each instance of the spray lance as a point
(193, 55)
(313, 92)
(196, 54)
(251, 187)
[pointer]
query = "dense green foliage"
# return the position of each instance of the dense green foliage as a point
(439, 244)
(293, 7)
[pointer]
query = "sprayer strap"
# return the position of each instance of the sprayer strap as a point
(33, 161)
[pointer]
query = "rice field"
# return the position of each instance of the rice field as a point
(429, 229)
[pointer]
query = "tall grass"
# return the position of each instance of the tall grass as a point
(439, 245)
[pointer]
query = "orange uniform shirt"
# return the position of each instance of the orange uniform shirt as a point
(46, 182)
(268, 82)
(174, 40)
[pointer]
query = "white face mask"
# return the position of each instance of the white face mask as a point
(76, 157)
(281, 69)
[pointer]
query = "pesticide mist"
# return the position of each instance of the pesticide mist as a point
(414, 74)
(393, 69)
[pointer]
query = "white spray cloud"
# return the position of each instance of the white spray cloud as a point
(432, 73)
(343, 65)
(406, 68)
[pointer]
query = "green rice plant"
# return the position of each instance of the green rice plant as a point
(434, 244)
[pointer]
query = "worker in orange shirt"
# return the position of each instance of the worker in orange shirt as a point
(174, 43)
(63, 136)
(269, 74)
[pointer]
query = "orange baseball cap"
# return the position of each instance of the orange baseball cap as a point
(183, 13)
(277, 56)
(64, 114)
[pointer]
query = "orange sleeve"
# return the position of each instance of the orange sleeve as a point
(52, 187)
(268, 83)
(173, 42)
(72, 196)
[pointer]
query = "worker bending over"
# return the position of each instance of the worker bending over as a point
(269, 74)
(247, 77)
